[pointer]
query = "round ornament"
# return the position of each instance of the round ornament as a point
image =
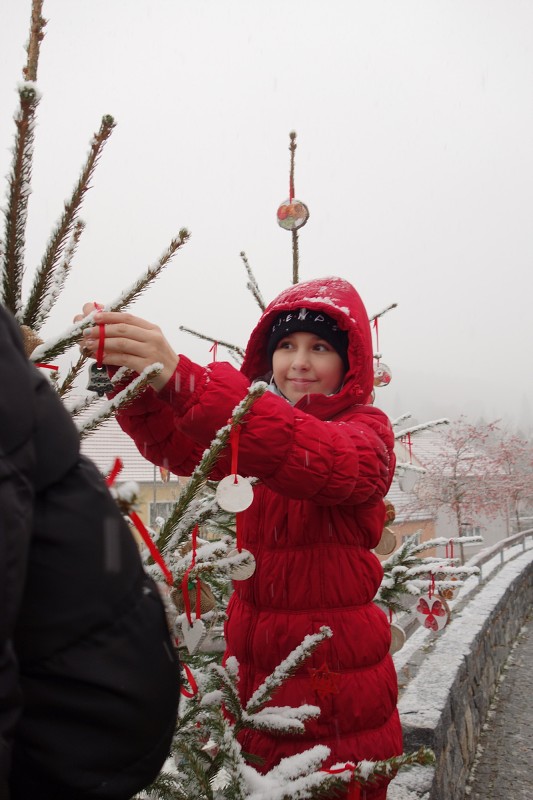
(408, 480)
(292, 214)
(382, 374)
(244, 569)
(387, 543)
(234, 494)
(432, 612)
(398, 638)
(450, 592)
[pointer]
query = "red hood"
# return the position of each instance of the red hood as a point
(339, 299)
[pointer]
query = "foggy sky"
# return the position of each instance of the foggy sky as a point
(415, 157)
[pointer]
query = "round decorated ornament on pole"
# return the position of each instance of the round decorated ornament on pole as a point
(292, 215)
(382, 374)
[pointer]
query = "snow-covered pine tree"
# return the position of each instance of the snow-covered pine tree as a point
(207, 759)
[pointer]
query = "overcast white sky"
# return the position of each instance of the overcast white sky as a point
(415, 157)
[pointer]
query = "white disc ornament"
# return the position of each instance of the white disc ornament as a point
(292, 214)
(382, 374)
(387, 543)
(244, 569)
(432, 612)
(234, 494)
(408, 479)
(398, 638)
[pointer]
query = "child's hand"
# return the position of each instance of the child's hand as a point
(129, 342)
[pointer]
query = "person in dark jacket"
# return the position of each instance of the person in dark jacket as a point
(89, 677)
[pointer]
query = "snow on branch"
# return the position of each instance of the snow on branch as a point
(382, 312)
(424, 426)
(252, 284)
(287, 668)
(108, 408)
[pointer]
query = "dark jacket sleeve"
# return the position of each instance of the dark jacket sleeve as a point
(85, 642)
(17, 465)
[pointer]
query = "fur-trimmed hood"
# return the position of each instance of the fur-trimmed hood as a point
(339, 299)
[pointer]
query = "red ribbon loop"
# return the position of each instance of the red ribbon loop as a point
(377, 338)
(47, 366)
(234, 441)
(185, 583)
(101, 339)
(354, 790)
(192, 682)
(116, 468)
(214, 350)
(154, 552)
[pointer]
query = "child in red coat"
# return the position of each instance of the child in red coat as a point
(324, 459)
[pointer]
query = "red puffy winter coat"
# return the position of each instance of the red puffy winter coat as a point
(324, 466)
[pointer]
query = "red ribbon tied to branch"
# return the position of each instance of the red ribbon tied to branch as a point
(185, 583)
(354, 789)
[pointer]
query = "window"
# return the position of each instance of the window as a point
(470, 530)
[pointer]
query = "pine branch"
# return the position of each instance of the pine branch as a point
(382, 312)
(229, 346)
(197, 766)
(59, 344)
(230, 694)
(152, 272)
(287, 668)
(107, 409)
(72, 374)
(34, 44)
(19, 189)
(407, 573)
(207, 463)
(60, 276)
(44, 275)
(252, 284)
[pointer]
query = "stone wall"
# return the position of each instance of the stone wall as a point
(446, 704)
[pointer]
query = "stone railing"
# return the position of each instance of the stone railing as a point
(445, 704)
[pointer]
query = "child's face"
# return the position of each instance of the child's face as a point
(303, 363)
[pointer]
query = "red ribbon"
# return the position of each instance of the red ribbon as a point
(377, 338)
(431, 585)
(213, 350)
(234, 441)
(101, 340)
(47, 366)
(154, 552)
(185, 583)
(117, 466)
(190, 678)
(354, 790)
(449, 553)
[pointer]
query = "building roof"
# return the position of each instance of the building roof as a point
(109, 442)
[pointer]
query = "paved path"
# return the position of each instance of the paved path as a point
(504, 765)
